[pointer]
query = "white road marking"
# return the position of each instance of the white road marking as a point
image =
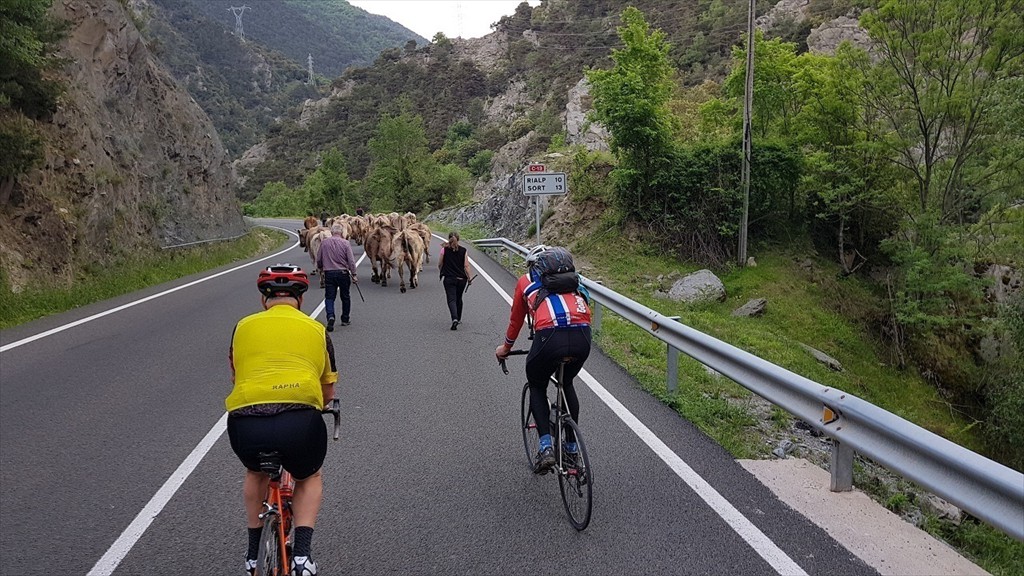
(757, 540)
(124, 543)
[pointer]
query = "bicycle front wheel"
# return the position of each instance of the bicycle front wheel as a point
(575, 478)
(268, 562)
(531, 442)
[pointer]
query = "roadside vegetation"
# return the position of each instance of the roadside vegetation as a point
(93, 285)
(865, 248)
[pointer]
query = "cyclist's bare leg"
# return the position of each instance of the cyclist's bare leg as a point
(254, 490)
(306, 499)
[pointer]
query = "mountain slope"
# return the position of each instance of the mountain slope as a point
(130, 163)
(334, 32)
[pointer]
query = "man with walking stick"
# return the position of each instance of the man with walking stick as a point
(335, 258)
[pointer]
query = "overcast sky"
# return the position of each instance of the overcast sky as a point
(455, 18)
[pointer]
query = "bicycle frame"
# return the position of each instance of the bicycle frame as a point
(279, 500)
(562, 413)
(279, 496)
(575, 482)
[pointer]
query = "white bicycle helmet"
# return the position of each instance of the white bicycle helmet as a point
(534, 252)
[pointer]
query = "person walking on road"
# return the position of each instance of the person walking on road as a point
(335, 258)
(455, 275)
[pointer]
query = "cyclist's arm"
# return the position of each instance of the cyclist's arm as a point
(231, 354)
(330, 375)
(518, 314)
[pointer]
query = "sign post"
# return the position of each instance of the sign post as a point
(539, 182)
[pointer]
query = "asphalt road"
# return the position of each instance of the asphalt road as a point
(428, 478)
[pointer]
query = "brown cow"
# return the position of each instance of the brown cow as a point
(307, 224)
(378, 250)
(316, 237)
(407, 252)
(424, 231)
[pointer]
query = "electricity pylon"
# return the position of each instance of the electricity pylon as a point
(238, 20)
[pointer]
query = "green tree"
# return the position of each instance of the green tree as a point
(329, 188)
(28, 41)
(278, 200)
(941, 63)
(404, 176)
(631, 100)
(943, 67)
(398, 148)
(775, 68)
(846, 169)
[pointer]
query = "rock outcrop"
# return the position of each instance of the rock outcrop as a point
(826, 38)
(131, 162)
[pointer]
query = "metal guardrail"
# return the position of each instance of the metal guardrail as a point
(982, 487)
(203, 241)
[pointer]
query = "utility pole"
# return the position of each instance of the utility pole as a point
(238, 20)
(748, 102)
(310, 61)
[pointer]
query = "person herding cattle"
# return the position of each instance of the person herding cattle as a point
(455, 274)
(335, 258)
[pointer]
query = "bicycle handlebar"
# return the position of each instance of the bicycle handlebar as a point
(335, 410)
(511, 353)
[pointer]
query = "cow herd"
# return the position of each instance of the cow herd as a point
(390, 241)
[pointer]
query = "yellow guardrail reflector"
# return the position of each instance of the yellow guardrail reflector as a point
(828, 415)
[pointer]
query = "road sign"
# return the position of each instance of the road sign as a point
(542, 184)
(537, 168)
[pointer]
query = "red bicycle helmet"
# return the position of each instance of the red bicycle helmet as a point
(282, 280)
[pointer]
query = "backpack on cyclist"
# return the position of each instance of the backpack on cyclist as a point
(555, 271)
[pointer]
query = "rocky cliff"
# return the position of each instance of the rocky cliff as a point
(132, 163)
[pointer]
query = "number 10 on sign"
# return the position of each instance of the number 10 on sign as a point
(548, 183)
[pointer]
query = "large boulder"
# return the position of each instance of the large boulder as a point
(701, 286)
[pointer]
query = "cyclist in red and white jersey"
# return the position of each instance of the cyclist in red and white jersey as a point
(562, 329)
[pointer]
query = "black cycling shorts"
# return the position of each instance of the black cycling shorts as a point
(299, 436)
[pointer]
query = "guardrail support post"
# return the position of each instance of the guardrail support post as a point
(841, 467)
(672, 379)
(597, 309)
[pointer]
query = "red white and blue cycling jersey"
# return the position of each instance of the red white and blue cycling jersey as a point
(557, 310)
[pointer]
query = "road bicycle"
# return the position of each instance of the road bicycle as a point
(575, 477)
(275, 552)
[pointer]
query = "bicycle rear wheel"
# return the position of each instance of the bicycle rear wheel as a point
(575, 478)
(268, 562)
(531, 442)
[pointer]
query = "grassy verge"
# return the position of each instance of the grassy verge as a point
(807, 303)
(128, 276)
(802, 308)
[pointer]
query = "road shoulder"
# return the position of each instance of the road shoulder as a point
(880, 538)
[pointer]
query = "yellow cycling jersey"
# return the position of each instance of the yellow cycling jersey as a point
(279, 356)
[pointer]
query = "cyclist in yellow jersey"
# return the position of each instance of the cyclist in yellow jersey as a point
(283, 368)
